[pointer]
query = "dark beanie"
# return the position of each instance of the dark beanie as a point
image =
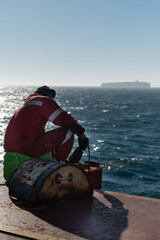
(42, 90)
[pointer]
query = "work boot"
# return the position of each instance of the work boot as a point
(75, 156)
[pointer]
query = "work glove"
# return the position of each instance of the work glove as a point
(83, 142)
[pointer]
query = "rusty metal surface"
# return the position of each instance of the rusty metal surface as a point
(37, 179)
(6, 236)
(66, 181)
(106, 215)
(29, 171)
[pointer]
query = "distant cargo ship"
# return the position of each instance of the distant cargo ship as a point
(135, 84)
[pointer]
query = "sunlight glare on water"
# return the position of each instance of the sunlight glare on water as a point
(11, 98)
(122, 127)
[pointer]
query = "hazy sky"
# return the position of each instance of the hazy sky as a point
(79, 42)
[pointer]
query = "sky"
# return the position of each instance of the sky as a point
(79, 42)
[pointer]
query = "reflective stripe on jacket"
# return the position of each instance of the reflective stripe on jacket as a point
(29, 122)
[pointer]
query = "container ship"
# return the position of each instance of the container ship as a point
(135, 84)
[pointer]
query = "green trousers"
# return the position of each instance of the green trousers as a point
(12, 160)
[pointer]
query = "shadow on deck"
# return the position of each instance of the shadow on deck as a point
(99, 217)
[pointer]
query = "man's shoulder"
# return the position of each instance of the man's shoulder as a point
(38, 97)
(45, 101)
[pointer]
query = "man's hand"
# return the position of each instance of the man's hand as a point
(83, 141)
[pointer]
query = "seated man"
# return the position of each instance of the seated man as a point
(26, 134)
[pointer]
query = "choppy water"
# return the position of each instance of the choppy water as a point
(123, 127)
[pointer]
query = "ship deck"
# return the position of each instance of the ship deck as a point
(106, 215)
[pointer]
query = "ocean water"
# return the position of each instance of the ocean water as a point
(123, 127)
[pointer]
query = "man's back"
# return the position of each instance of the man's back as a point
(25, 132)
(27, 123)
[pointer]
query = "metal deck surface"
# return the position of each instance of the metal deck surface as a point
(106, 215)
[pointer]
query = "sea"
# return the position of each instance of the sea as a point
(123, 127)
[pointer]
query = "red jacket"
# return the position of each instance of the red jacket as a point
(29, 122)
